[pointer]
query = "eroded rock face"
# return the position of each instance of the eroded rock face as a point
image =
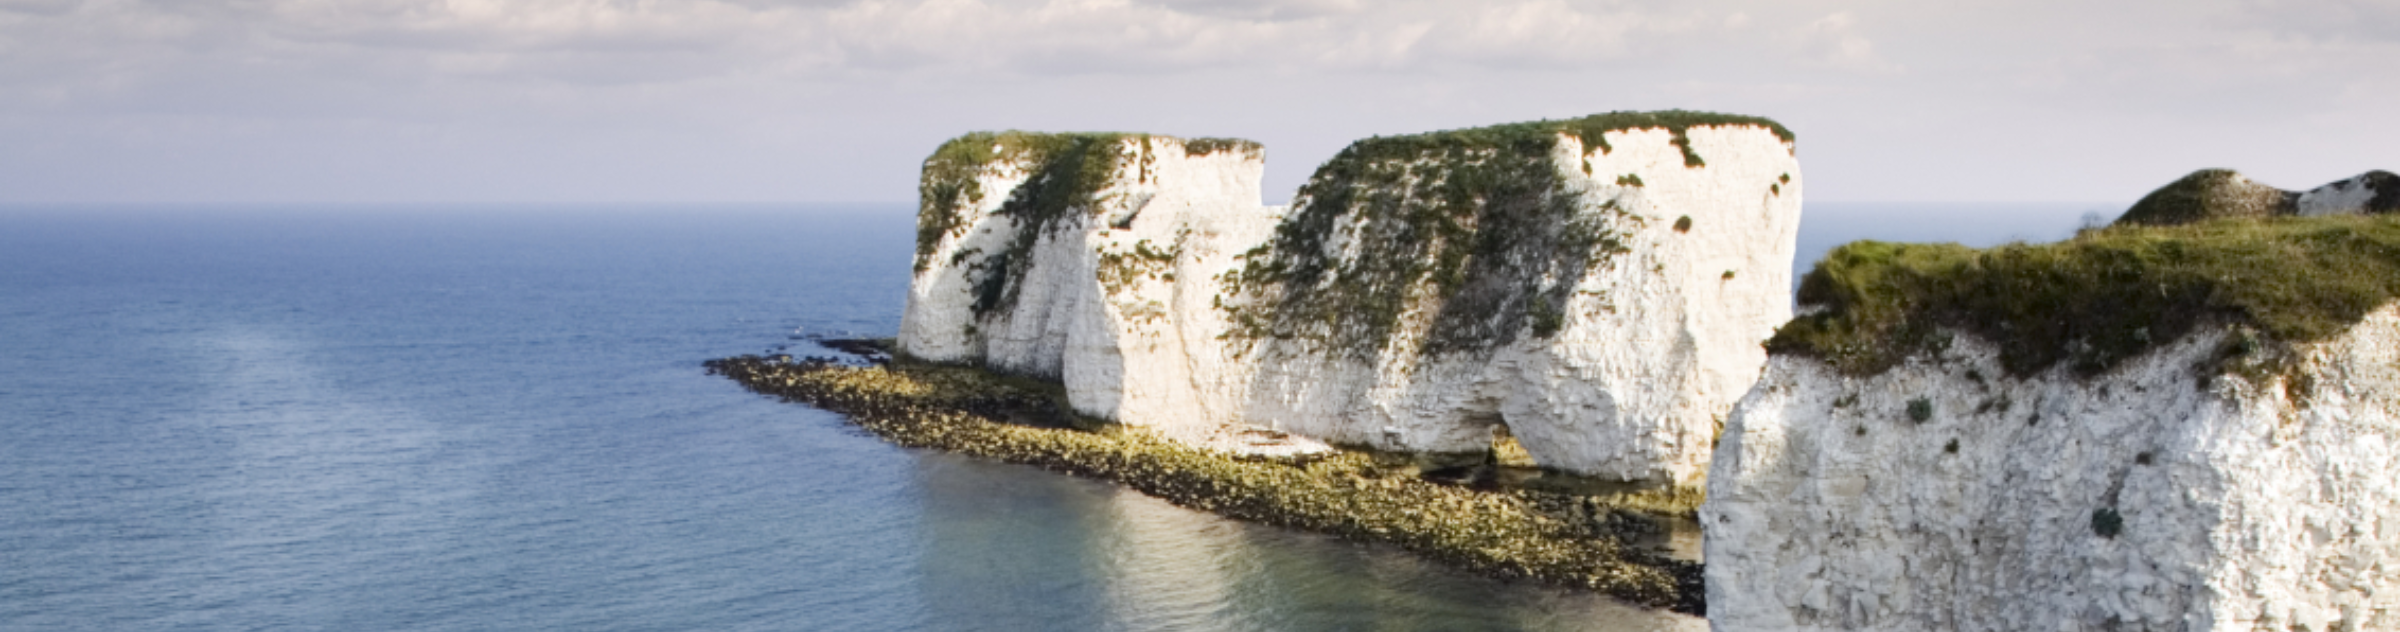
(1945, 495)
(1598, 285)
(1091, 259)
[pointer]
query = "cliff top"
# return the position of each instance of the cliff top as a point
(1589, 129)
(1067, 170)
(1453, 223)
(2098, 299)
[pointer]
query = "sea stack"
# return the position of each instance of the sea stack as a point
(1598, 287)
(1092, 260)
(1595, 287)
(2187, 427)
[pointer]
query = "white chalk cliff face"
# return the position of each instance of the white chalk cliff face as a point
(1605, 302)
(1119, 240)
(2155, 496)
(1615, 358)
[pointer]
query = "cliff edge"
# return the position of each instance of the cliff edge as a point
(2186, 427)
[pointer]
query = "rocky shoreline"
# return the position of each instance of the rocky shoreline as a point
(1498, 530)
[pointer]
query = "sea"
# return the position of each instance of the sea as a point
(495, 418)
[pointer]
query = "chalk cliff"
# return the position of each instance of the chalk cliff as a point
(2179, 428)
(1093, 260)
(1598, 285)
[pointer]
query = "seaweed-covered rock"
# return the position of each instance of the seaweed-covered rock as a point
(2210, 194)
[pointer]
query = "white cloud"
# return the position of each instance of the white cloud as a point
(440, 79)
(1835, 40)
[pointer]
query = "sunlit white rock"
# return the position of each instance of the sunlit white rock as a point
(2235, 506)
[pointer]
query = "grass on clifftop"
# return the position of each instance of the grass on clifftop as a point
(1067, 171)
(2099, 299)
(1464, 239)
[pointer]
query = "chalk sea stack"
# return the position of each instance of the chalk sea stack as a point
(2191, 426)
(1597, 286)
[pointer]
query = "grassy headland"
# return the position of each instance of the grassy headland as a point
(2101, 298)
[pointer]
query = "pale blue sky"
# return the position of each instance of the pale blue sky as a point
(631, 101)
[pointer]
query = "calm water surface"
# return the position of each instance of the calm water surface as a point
(476, 419)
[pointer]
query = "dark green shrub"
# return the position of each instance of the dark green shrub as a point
(2107, 523)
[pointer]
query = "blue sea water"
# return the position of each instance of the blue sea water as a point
(496, 419)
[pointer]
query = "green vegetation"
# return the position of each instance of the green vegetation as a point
(1683, 224)
(1121, 272)
(2107, 523)
(1205, 146)
(1065, 174)
(1920, 410)
(1067, 170)
(1555, 538)
(2209, 194)
(1590, 129)
(2101, 298)
(1629, 180)
(1462, 240)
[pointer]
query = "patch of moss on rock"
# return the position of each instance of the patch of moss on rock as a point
(1559, 539)
(1465, 239)
(1205, 146)
(2209, 194)
(2099, 299)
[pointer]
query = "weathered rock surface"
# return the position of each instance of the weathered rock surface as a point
(1598, 285)
(2236, 475)
(1091, 259)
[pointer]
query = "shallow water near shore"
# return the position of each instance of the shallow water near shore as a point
(463, 418)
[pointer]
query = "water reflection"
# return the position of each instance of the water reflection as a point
(1016, 548)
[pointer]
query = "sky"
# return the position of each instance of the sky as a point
(839, 101)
